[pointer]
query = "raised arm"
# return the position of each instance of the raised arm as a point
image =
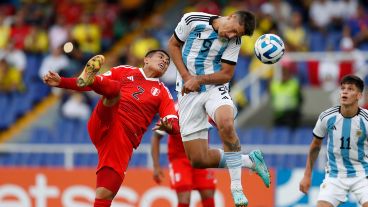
(54, 80)
(314, 149)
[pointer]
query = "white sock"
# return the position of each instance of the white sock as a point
(247, 162)
(233, 162)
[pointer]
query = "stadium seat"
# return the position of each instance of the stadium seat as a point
(40, 135)
(254, 135)
(317, 41)
(302, 135)
(279, 135)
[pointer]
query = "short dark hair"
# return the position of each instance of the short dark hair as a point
(151, 52)
(353, 79)
(248, 20)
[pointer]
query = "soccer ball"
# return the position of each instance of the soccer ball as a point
(269, 48)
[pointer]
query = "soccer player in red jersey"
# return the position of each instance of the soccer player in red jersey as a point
(183, 177)
(131, 97)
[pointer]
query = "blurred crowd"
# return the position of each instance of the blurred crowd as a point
(33, 37)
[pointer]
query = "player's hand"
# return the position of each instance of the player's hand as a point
(191, 85)
(304, 184)
(163, 125)
(51, 79)
(158, 175)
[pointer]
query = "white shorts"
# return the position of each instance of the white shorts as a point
(336, 190)
(194, 109)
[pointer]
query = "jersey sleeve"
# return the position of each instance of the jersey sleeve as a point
(167, 106)
(231, 53)
(320, 129)
(183, 28)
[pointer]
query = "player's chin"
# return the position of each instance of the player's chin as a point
(160, 71)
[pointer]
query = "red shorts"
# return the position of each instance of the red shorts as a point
(110, 139)
(183, 177)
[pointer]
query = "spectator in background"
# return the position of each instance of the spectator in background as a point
(4, 30)
(70, 9)
(295, 36)
(37, 41)
(159, 32)
(76, 106)
(140, 46)
(88, 35)
(10, 78)
(359, 27)
(58, 33)
(279, 10)
(320, 14)
(14, 57)
(19, 30)
(56, 62)
(286, 96)
(106, 20)
(207, 6)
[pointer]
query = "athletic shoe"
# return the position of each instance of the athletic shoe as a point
(93, 65)
(239, 198)
(260, 166)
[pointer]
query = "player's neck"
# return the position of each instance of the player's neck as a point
(349, 111)
(149, 73)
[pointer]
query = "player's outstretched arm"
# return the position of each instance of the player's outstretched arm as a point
(52, 79)
(55, 80)
(158, 174)
(314, 149)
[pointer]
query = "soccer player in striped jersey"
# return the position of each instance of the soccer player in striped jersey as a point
(346, 130)
(205, 49)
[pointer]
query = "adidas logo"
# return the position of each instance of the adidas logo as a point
(131, 78)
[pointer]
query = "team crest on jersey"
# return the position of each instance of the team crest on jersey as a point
(359, 133)
(155, 91)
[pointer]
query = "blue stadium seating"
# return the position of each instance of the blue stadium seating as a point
(317, 41)
(254, 135)
(302, 136)
(279, 135)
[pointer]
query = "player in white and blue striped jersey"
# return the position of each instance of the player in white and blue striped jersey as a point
(346, 130)
(205, 50)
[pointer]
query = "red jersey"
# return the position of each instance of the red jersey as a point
(141, 98)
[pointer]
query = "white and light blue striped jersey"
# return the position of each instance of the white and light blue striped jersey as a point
(203, 50)
(347, 143)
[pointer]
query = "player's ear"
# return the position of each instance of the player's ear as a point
(145, 60)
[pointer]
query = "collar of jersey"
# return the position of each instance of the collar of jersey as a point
(349, 117)
(144, 75)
